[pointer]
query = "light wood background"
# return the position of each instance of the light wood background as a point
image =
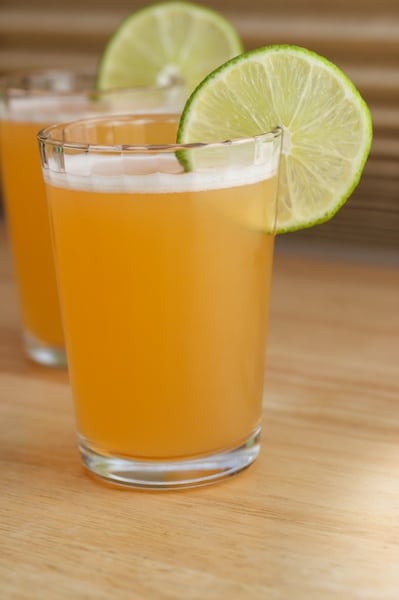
(315, 518)
(361, 36)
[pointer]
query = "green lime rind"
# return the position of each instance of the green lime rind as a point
(327, 126)
(164, 42)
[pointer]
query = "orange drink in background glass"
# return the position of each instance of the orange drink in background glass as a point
(27, 221)
(28, 102)
(164, 277)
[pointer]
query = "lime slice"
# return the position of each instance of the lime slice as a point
(326, 125)
(164, 42)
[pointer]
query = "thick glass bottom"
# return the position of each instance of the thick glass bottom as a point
(170, 474)
(41, 353)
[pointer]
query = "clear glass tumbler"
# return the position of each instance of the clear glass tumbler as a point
(28, 102)
(164, 259)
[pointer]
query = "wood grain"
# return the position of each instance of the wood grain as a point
(315, 518)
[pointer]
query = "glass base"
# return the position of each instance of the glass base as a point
(170, 474)
(49, 356)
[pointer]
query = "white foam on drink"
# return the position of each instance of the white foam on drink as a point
(45, 109)
(51, 107)
(154, 174)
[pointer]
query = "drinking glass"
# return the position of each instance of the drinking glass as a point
(164, 258)
(28, 102)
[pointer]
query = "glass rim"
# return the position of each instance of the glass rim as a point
(44, 137)
(8, 87)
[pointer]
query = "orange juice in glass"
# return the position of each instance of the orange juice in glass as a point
(28, 102)
(164, 278)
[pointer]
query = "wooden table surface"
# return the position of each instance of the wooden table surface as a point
(316, 517)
